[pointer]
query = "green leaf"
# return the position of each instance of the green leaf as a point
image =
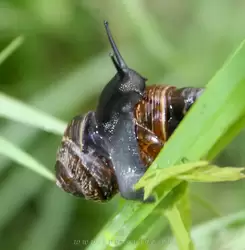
(21, 112)
(16, 154)
(184, 207)
(14, 45)
(176, 208)
(213, 173)
(179, 230)
(152, 231)
(199, 171)
(152, 179)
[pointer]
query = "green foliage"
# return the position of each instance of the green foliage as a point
(197, 172)
(16, 154)
(59, 71)
(11, 48)
(20, 112)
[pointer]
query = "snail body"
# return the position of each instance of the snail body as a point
(108, 150)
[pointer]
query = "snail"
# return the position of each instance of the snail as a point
(108, 150)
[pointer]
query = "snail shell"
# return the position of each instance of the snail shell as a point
(82, 167)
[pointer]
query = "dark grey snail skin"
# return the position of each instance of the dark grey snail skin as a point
(116, 122)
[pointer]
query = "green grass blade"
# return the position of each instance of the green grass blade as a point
(176, 209)
(178, 228)
(176, 196)
(218, 109)
(213, 174)
(184, 207)
(199, 171)
(16, 154)
(18, 111)
(10, 49)
(154, 229)
(151, 232)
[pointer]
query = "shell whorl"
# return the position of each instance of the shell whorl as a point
(80, 170)
(158, 114)
(151, 112)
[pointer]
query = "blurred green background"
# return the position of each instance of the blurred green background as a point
(61, 69)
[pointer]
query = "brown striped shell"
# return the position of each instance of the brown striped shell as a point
(155, 119)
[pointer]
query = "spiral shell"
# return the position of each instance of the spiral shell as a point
(80, 170)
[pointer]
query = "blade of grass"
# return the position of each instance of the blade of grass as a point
(177, 211)
(199, 171)
(178, 229)
(11, 48)
(18, 111)
(151, 232)
(219, 108)
(184, 207)
(175, 197)
(11, 151)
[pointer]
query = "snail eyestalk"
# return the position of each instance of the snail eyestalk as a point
(120, 61)
(118, 68)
